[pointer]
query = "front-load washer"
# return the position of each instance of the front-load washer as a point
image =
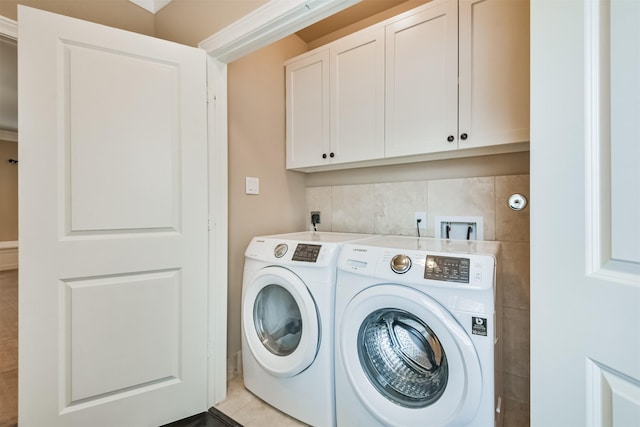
(417, 328)
(288, 296)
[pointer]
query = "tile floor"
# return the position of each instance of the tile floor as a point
(250, 411)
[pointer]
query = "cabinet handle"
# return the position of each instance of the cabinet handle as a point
(324, 155)
(464, 136)
(332, 155)
(450, 138)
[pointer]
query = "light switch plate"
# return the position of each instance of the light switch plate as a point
(252, 185)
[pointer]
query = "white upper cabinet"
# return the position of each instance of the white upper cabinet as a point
(308, 110)
(422, 81)
(494, 72)
(447, 79)
(357, 97)
(335, 102)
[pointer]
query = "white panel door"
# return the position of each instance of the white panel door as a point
(494, 72)
(357, 97)
(113, 226)
(585, 201)
(308, 111)
(422, 81)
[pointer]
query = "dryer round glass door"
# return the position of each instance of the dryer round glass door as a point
(277, 320)
(280, 322)
(408, 359)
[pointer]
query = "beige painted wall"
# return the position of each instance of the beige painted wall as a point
(256, 122)
(499, 164)
(8, 191)
(356, 26)
(114, 13)
(191, 21)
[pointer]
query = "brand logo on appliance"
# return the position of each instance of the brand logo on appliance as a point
(479, 326)
(360, 250)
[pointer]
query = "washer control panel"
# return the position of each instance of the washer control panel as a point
(306, 252)
(449, 269)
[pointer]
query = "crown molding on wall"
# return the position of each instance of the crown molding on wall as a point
(151, 5)
(8, 27)
(268, 23)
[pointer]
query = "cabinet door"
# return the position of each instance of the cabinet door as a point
(357, 97)
(308, 132)
(494, 72)
(421, 81)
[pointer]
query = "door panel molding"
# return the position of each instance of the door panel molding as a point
(611, 393)
(604, 226)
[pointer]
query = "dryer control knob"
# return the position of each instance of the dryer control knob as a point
(400, 263)
(280, 250)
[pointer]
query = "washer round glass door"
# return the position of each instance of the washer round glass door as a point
(280, 322)
(408, 359)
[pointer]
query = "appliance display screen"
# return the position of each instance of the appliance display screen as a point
(307, 253)
(447, 269)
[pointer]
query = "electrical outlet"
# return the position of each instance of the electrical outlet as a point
(315, 217)
(422, 217)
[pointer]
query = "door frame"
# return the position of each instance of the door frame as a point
(268, 23)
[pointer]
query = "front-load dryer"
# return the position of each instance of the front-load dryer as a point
(417, 333)
(288, 296)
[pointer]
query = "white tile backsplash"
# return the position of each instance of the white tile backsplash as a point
(352, 208)
(319, 199)
(514, 225)
(395, 205)
(463, 197)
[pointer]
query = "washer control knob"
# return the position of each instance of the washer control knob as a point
(400, 264)
(280, 250)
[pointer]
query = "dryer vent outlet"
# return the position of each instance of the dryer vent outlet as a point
(315, 217)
